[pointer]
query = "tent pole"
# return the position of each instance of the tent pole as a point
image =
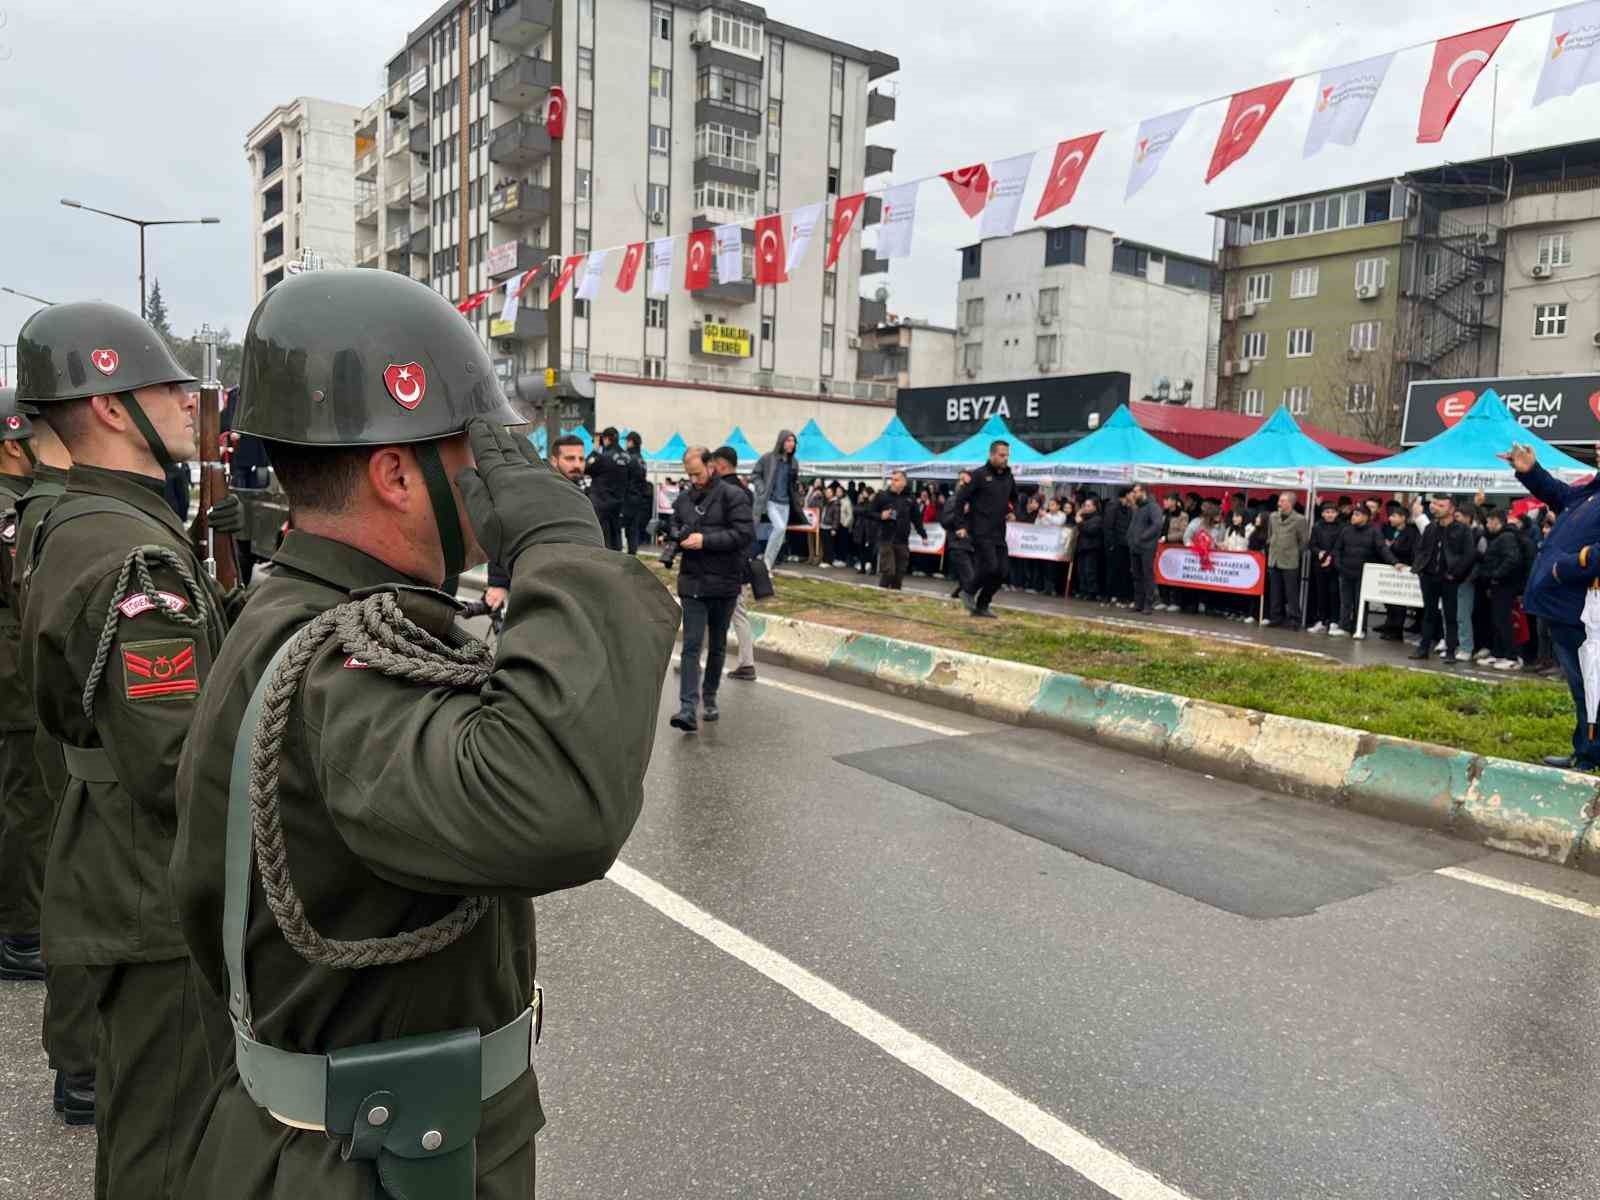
(1305, 560)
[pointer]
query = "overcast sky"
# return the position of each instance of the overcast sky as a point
(143, 109)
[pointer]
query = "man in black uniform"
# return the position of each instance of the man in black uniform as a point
(896, 511)
(607, 468)
(638, 497)
(958, 538)
(989, 499)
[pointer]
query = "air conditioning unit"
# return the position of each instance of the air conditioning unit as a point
(853, 342)
(1242, 367)
(1354, 353)
(696, 38)
(1541, 270)
(1048, 318)
(1248, 308)
(657, 217)
(506, 345)
(1367, 291)
(1596, 338)
(1489, 238)
(1483, 287)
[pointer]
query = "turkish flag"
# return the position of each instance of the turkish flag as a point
(697, 274)
(473, 301)
(1072, 159)
(528, 277)
(844, 222)
(631, 258)
(568, 269)
(555, 113)
(971, 186)
(771, 260)
(1457, 61)
(1248, 114)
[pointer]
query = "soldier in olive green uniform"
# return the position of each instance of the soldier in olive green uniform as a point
(395, 794)
(122, 627)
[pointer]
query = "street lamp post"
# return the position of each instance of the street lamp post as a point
(27, 296)
(143, 225)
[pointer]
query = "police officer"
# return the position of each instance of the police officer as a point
(988, 499)
(638, 497)
(410, 793)
(608, 469)
(122, 627)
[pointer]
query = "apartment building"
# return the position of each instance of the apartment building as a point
(1079, 300)
(680, 116)
(302, 183)
(905, 352)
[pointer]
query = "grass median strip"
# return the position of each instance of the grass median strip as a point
(1517, 719)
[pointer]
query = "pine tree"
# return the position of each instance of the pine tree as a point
(155, 311)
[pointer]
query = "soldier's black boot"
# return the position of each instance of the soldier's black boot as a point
(20, 959)
(75, 1098)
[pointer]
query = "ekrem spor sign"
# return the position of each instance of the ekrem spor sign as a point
(1563, 409)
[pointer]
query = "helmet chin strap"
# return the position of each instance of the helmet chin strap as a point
(27, 452)
(445, 514)
(147, 431)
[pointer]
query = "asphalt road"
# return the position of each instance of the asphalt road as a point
(861, 948)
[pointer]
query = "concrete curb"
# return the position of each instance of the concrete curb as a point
(1535, 811)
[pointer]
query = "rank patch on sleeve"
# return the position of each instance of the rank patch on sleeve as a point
(160, 670)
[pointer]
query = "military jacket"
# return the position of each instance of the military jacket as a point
(33, 508)
(16, 706)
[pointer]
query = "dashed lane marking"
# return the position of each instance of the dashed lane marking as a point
(1551, 899)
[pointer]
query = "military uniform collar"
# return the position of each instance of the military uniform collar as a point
(16, 485)
(337, 564)
(45, 473)
(141, 492)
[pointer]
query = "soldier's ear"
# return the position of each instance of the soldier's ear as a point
(395, 479)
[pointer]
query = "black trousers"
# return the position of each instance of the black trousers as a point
(1283, 596)
(1437, 595)
(705, 626)
(633, 523)
(610, 524)
(1144, 578)
(894, 560)
(1119, 577)
(1502, 597)
(1323, 602)
(992, 564)
(1349, 601)
(960, 561)
(1088, 575)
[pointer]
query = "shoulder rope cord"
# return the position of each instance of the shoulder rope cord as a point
(375, 630)
(142, 423)
(137, 565)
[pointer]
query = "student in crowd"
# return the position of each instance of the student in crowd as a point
(1503, 571)
(1089, 569)
(1359, 543)
(1323, 599)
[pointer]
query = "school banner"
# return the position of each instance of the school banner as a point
(1244, 573)
(1050, 542)
(932, 544)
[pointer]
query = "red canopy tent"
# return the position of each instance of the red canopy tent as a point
(1201, 432)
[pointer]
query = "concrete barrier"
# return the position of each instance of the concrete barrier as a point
(1535, 811)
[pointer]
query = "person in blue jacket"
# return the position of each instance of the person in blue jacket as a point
(1567, 565)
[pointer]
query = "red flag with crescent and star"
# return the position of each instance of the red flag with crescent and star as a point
(771, 259)
(528, 277)
(1457, 61)
(407, 383)
(1072, 159)
(1248, 114)
(631, 258)
(473, 301)
(844, 221)
(568, 269)
(697, 274)
(555, 113)
(971, 187)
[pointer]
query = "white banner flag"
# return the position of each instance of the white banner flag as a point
(1007, 181)
(801, 226)
(1150, 146)
(513, 301)
(730, 254)
(1344, 97)
(593, 269)
(661, 267)
(899, 219)
(1572, 54)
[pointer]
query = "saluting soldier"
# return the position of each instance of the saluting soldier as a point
(122, 626)
(378, 796)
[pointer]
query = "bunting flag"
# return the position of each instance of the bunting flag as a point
(1007, 182)
(660, 267)
(801, 226)
(515, 286)
(568, 268)
(899, 220)
(474, 300)
(771, 261)
(631, 258)
(971, 187)
(1248, 114)
(1574, 58)
(730, 254)
(1150, 146)
(1457, 61)
(844, 220)
(555, 113)
(593, 268)
(697, 274)
(1072, 160)
(1344, 98)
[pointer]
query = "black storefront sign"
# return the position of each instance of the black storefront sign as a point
(1563, 409)
(1047, 413)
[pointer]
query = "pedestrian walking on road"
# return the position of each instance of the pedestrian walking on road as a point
(990, 497)
(897, 512)
(725, 462)
(1444, 556)
(1287, 538)
(775, 485)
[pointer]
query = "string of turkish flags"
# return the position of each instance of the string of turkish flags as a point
(992, 192)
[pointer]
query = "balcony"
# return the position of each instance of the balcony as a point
(743, 292)
(367, 165)
(511, 258)
(519, 202)
(419, 189)
(880, 160)
(272, 245)
(367, 121)
(520, 142)
(396, 99)
(719, 168)
(871, 264)
(725, 112)
(522, 84)
(398, 193)
(872, 211)
(419, 142)
(520, 22)
(530, 323)
(399, 235)
(367, 253)
(419, 240)
(417, 83)
(881, 107)
(367, 210)
(396, 140)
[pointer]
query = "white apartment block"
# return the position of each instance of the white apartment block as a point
(680, 116)
(1550, 313)
(1077, 299)
(302, 187)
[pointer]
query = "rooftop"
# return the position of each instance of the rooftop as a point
(1043, 229)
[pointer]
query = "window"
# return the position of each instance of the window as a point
(1372, 272)
(1301, 342)
(1297, 400)
(655, 368)
(582, 183)
(1129, 260)
(1253, 346)
(580, 358)
(836, 130)
(1555, 250)
(1361, 398)
(730, 89)
(1044, 350)
(1296, 218)
(724, 146)
(774, 114)
(775, 57)
(656, 198)
(661, 20)
(975, 313)
(725, 198)
(766, 329)
(580, 241)
(299, 189)
(1364, 335)
(661, 83)
(972, 357)
(660, 140)
(838, 74)
(580, 308)
(1050, 302)
(655, 313)
(735, 33)
(586, 11)
(1550, 320)
(474, 133)
(772, 164)
(1430, 263)
(585, 65)
(1258, 288)
(1303, 282)
(1065, 247)
(830, 284)
(1185, 274)
(972, 261)
(1254, 403)
(586, 124)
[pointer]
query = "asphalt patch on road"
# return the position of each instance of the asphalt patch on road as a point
(1222, 844)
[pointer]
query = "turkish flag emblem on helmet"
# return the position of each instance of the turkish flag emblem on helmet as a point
(105, 361)
(406, 383)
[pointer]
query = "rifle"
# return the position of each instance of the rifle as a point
(216, 549)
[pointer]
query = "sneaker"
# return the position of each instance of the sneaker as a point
(1482, 656)
(985, 613)
(1336, 631)
(1249, 620)
(1319, 627)
(825, 566)
(685, 720)
(1443, 652)
(1450, 659)
(1503, 664)
(748, 674)
(838, 562)
(709, 710)
(1561, 762)
(1358, 637)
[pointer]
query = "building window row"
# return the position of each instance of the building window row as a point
(1344, 210)
(1555, 250)
(730, 88)
(735, 33)
(1305, 282)
(1550, 320)
(725, 198)
(724, 146)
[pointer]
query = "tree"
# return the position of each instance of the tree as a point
(1366, 389)
(155, 311)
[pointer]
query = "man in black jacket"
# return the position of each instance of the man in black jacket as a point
(958, 538)
(1444, 556)
(1402, 536)
(638, 497)
(1505, 572)
(607, 468)
(1145, 528)
(713, 530)
(1357, 545)
(989, 498)
(1090, 561)
(896, 512)
(1119, 564)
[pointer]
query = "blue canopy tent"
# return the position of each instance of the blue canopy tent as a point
(975, 451)
(894, 447)
(670, 453)
(1107, 455)
(1278, 454)
(812, 446)
(541, 440)
(747, 453)
(1464, 458)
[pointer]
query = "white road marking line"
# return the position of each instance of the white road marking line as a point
(1077, 1151)
(1537, 895)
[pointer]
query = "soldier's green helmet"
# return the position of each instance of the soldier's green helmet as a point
(14, 423)
(90, 348)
